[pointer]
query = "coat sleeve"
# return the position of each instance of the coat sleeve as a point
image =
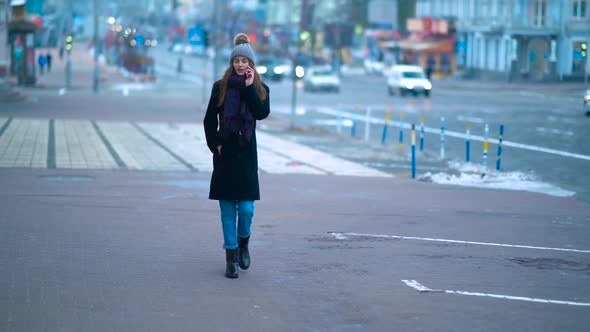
(260, 108)
(211, 122)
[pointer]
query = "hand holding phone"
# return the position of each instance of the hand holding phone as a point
(249, 76)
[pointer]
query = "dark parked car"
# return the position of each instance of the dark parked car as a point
(273, 68)
(305, 62)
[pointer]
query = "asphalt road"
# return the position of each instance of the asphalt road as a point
(545, 132)
(139, 250)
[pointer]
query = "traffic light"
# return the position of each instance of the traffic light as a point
(69, 40)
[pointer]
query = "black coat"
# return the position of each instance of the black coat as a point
(235, 171)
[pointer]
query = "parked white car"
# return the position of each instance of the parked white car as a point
(373, 67)
(321, 78)
(408, 78)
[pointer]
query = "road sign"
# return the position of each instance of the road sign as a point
(196, 37)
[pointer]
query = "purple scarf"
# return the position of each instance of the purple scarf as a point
(238, 123)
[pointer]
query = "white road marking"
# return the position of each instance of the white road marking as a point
(336, 235)
(470, 119)
(554, 131)
(417, 286)
(423, 289)
(344, 123)
(62, 91)
(339, 236)
(561, 119)
(349, 115)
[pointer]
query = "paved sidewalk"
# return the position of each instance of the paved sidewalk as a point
(82, 64)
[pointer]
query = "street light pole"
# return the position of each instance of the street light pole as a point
(294, 74)
(293, 101)
(69, 29)
(218, 35)
(95, 81)
(4, 51)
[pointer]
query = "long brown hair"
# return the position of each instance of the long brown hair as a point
(224, 81)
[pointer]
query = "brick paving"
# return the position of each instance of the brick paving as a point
(110, 145)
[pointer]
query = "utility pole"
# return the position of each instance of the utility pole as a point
(4, 51)
(586, 71)
(218, 37)
(95, 81)
(69, 15)
(295, 64)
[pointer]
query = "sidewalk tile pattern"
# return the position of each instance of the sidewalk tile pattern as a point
(186, 140)
(24, 144)
(78, 145)
(82, 144)
(136, 150)
(309, 156)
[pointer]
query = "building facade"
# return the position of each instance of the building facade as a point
(4, 49)
(517, 39)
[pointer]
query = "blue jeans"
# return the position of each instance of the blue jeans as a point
(245, 213)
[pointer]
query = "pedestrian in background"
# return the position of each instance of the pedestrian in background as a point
(49, 59)
(42, 60)
(237, 101)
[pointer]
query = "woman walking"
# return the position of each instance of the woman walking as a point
(237, 101)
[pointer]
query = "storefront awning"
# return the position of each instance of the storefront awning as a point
(428, 46)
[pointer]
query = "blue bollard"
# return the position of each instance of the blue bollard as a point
(468, 143)
(413, 151)
(401, 130)
(442, 138)
(500, 139)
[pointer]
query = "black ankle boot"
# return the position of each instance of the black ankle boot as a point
(244, 254)
(231, 259)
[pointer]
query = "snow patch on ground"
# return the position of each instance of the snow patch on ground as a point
(474, 175)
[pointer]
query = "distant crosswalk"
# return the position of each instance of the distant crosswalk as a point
(84, 144)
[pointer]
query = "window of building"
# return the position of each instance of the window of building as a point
(579, 9)
(448, 7)
(501, 9)
(456, 9)
(473, 10)
(539, 12)
(435, 8)
(484, 8)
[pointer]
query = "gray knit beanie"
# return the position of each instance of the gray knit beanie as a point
(242, 48)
